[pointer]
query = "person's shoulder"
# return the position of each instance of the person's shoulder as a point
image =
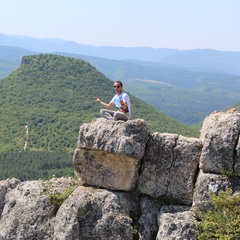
(113, 98)
(125, 94)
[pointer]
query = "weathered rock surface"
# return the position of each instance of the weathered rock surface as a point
(116, 137)
(27, 212)
(148, 225)
(150, 170)
(109, 153)
(169, 167)
(220, 135)
(5, 186)
(208, 183)
(176, 222)
(91, 213)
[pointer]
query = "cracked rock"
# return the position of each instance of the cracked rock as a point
(109, 153)
(170, 166)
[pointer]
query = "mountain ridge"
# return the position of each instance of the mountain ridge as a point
(162, 55)
(53, 95)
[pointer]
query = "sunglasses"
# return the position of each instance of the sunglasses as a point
(116, 86)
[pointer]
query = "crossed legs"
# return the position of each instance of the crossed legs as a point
(113, 115)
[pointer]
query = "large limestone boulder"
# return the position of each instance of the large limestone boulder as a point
(109, 153)
(169, 167)
(176, 222)
(219, 135)
(91, 213)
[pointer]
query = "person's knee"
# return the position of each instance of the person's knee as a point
(119, 116)
(115, 116)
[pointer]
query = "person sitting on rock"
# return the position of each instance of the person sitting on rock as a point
(121, 101)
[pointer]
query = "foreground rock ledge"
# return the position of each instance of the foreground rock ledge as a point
(169, 169)
(109, 153)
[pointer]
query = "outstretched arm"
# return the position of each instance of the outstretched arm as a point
(105, 105)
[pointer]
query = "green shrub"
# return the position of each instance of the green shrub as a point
(222, 220)
(58, 198)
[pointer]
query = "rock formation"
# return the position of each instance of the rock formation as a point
(109, 153)
(169, 167)
(134, 184)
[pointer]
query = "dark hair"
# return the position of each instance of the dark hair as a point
(119, 82)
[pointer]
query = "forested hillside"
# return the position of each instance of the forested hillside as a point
(184, 95)
(42, 105)
(187, 96)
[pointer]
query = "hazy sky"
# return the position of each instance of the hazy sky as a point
(179, 24)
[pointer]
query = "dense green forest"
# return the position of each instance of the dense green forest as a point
(26, 165)
(44, 102)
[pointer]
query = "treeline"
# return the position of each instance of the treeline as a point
(26, 165)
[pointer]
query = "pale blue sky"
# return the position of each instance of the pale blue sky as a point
(179, 24)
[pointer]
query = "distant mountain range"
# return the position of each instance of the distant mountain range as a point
(60, 45)
(186, 85)
(196, 59)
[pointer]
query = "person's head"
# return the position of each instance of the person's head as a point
(118, 86)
